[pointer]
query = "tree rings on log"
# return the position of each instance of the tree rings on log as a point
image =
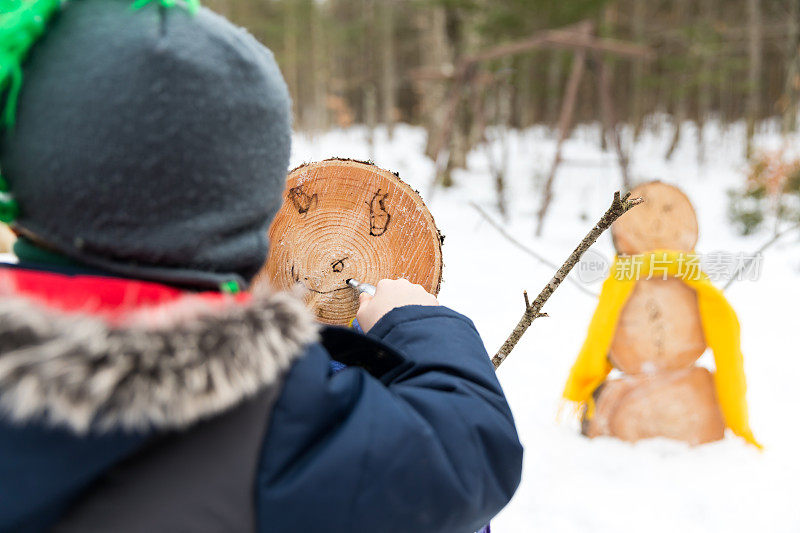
(665, 221)
(345, 219)
(658, 329)
(680, 405)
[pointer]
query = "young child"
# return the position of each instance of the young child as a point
(141, 389)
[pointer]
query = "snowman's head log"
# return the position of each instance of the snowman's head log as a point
(666, 220)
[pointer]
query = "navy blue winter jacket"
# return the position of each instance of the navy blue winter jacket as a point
(414, 435)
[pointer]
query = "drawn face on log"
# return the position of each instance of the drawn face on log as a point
(666, 221)
(347, 219)
(658, 329)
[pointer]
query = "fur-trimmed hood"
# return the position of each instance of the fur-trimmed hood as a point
(159, 366)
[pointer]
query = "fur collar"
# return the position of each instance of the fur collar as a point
(192, 361)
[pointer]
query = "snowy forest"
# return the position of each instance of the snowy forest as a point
(516, 120)
(469, 71)
(376, 61)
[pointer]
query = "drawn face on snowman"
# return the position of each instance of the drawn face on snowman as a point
(343, 220)
(666, 221)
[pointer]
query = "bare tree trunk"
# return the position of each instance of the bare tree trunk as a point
(679, 112)
(459, 144)
(554, 72)
(291, 68)
(435, 53)
(723, 95)
(610, 119)
(791, 92)
(369, 72)
(371, 115)
(501, 131)
(319, 70)
(637, 100)
(525, 111)
(443, 138)
(754, 53)
(564, 126)
(389, 78)
(707, 9)
(607, 68)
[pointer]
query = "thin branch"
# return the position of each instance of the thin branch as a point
(496, 225)
(619, 206)
(575, 37)
(744, 266)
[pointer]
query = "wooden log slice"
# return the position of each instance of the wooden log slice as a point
(346, 219)
(680, 405)
(665, 221)
(658, 329)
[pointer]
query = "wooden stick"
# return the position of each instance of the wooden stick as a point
(496, 225)
(619, 206)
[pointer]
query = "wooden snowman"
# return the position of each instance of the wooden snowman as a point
(655, 338)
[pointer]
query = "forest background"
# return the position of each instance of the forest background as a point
(365, 61)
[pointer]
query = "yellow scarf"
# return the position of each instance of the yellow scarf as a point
(720, 326)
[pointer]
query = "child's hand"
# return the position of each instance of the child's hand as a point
(388, 295)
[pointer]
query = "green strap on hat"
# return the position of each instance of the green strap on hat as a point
(8, 206)
(22, 23)
(191, 5)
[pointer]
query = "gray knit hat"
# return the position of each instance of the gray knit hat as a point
(150, 142)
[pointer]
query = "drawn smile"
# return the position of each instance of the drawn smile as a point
(337, 266)
(325, 292)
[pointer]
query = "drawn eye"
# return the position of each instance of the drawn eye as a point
(301, 200)
(338, 266)
(379, 217)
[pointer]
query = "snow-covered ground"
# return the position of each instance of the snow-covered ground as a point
(572, 484)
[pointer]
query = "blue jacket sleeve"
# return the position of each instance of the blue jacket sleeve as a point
(430, 446)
